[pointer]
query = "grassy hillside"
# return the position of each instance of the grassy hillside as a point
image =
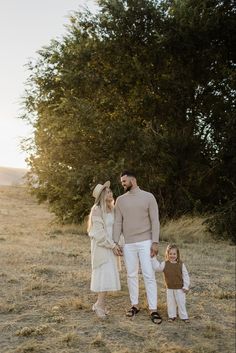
(45, 301)
(12, 176)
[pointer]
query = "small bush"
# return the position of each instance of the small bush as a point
(222, 224)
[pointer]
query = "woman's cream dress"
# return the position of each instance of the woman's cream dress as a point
(106, 277)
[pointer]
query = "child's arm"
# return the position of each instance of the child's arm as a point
(186, 279)
(156, 265)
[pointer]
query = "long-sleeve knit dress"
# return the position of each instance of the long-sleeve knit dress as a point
(105, 277)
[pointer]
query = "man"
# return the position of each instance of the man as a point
(136, 216)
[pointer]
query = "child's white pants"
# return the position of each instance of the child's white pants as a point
(133, 254)
(176, 299)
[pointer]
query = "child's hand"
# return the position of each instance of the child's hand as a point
(185, 290)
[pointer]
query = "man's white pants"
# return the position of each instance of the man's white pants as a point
(134, 254)
(176, 299)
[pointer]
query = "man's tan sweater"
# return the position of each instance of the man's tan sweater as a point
(136, 217)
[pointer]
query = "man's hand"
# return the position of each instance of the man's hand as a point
(185, 290)
(154, 249)
(117, 250)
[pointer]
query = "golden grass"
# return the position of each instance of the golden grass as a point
(185, 230)
(45, 301)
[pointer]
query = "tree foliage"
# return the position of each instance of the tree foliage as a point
(143, 84)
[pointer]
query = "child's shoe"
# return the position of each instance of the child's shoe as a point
(186, 321)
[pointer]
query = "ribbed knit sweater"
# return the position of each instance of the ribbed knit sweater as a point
(136, 217)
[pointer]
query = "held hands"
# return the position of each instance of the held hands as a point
(185, 290)
(117, 250)
(154, 249)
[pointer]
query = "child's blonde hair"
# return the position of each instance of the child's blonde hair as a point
(170, 247)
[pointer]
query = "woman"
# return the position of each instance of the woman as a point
(105, 275)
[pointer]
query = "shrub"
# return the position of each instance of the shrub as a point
(223, 223)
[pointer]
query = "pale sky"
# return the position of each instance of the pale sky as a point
(25, 26)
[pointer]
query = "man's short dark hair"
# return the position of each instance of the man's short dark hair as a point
(129, 173)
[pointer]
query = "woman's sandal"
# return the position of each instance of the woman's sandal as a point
(132, 311)
(155, 317)
(99, 312)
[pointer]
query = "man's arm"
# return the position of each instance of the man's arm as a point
(154, 218)
(155, 225)
(117, 228)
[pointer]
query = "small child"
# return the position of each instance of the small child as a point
(177, 282)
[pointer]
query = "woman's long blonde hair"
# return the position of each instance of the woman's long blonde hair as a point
(100, 203)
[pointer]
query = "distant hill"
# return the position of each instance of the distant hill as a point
(12, 176)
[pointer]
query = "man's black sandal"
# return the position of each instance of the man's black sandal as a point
(155, 317)
(132, 311)
(171, 319)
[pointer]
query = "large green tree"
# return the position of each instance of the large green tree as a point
(141, 84)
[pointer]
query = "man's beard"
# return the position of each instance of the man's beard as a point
(128, 188)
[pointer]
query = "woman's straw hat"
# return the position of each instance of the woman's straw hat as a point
(99, 188)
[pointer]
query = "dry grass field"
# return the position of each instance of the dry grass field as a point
(45, 302)
(12, 176)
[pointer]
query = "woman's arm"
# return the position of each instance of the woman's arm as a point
(98, 231)
(100, 234)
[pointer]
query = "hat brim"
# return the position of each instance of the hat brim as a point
(107, 184)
